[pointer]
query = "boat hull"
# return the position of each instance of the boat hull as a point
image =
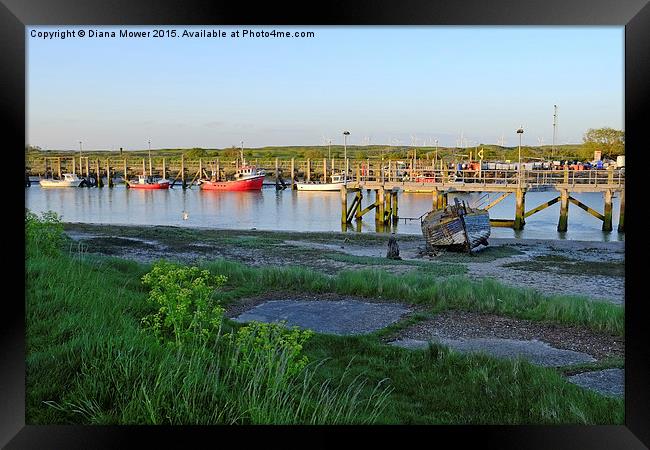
(251, 184)
(59, 183)
(149, 186)
(319, 186)
(441, 229)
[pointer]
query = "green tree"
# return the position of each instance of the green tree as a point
(196, 153)
(609, 141)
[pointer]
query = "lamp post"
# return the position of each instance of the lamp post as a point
(520, 132)
(329, 150)
(150, 168)
(345, 151)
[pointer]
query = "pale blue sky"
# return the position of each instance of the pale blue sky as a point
(382, 83)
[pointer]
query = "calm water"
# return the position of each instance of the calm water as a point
(296, 211)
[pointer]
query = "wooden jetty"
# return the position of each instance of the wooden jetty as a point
(386, 178)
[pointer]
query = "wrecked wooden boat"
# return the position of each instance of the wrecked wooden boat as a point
(456, 227)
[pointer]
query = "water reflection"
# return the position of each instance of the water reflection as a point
(301, 211)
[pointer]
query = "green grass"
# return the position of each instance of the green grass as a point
(89, 362)
(432, 268)
(451, 292)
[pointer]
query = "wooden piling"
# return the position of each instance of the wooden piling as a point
(218, 170)
(621, 217)
(395, 215)
(87, 168)
(164, 169)
(607, 214)
(324, 170)
(100, 183)
(150, 168)
(293, 174)
(277, 173)
(144, 167)
(58, 165)
(564, 210)
(308, 172)
(125, 171)
(183, 184)
(344, 205)
(379, 212)
(358, 215)
(74, 165)
(109, 178)
(520, 210)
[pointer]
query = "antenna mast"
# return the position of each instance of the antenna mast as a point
(554, 127)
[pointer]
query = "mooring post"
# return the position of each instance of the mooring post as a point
(183, 184)
(344, 204)
(164, 169)
(308, 172)
(395, 216)
(621, 221)
(144, 167)
(87, 168)
(566, 174)
(125, 169)
(200, 168)
(218, 170)
(358, 173)
(607, 219)
(520, 209)
(109, 179)
(324, 170)
(58, 165)
(434, 196)
(564, 210)
(293, 174)
(74, 165)
(389, 207)
(100, 183)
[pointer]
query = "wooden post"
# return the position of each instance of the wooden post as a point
(390, 170)
(200, 168)
(358, 214)
(388, 209)
(621, 221)
(395, 215)
(293, 174)
(324, 170)
(344, 204)
(144, 167)
(87, 168)
(358, 173)
(74, 165)
(183, 172)
(607, 219)
(308, 172)
(100, 183)
(566, 174)
(164, 169)
(434, 195)
(379, 211)
(444, 200)
(520, 210)
(109, 178)
(277, 173)
(150, 168)
(218, 170)
(125, 170)
(564, 210)
(58, 165)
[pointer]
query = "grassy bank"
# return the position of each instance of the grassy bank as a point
(89, 360)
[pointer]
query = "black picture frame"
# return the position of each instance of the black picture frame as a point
(15, 15)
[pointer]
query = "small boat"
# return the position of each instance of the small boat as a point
(456, 227)
(145, 183)
(338, 180)
(247, 178)
(69, 180)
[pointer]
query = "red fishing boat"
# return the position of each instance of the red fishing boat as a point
(247, 178)
(144, 183)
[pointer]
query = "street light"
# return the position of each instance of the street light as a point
(345, 151)
(520, 132)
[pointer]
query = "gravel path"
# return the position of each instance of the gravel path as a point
(607, 382)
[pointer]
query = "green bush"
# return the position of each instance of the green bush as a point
(276, 345)
(44, 234)
(183, 295)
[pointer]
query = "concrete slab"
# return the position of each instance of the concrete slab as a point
(609, 382)
(334, 317)
(537, 352)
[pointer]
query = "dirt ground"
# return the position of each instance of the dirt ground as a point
(591, 269)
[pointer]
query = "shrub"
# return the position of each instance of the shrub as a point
(278, 347)
(183, 295)
(43, 235)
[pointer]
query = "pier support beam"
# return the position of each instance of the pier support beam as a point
(607, 214)
(100, 183)
(358, 215)
(564, 210)
(344, 205)
(379, 212)
(109, 178)
(183, 172)
(125, 170)
(621, 217)
(164, 169)
(520, 209)
(293, 174)
(395, 216)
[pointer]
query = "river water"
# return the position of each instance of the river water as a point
(298, 211)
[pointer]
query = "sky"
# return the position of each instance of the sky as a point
(385, 85)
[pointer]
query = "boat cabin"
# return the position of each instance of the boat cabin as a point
(71, 177)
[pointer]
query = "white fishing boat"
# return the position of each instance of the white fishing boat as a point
(338, 180)
(69, 180)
